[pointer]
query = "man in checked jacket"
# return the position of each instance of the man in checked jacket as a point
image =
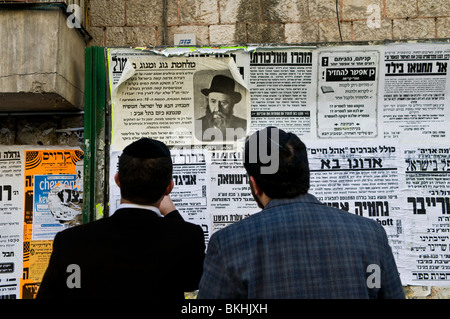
(296, 247)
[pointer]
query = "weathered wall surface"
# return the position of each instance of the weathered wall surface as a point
(140, 22)
(42, 75)
(42, 61)
(221, 22)
(43, 129)
(216, 22)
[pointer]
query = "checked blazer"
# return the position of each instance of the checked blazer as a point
(133, 254)
(299, 248)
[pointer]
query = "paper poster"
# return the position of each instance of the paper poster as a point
(230, 194)
(175, 100)
(11, 220)
(427, 203)
(374, 119)
(347, 87)
(191, 177)
(414, 99)
(57, 205)
(53, 192)
(363, 180)
(282, 89)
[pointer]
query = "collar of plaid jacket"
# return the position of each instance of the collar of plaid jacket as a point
(303, 198)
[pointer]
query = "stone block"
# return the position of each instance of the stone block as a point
(240, 34)
(301, 32)
(232, 11)
(329, 31)
(443, 27)
(401, 8)
(265, 33)
(284, 10)
(173, 13)
(362, 31)
(222, 34)
(131, 36)
(107, 12)
(199, 12)
(144, 12)
(414, 29)
(98, 36)
(322, 9)
(359, 9)
(433, 8)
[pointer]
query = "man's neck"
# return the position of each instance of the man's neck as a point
(129, 204)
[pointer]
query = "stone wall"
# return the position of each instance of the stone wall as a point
(221, 22)
(215, 22)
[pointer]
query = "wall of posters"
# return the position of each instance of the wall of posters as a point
(11, 220)
(374, 119)
(53, 201)
(366, 181)
(41, 194)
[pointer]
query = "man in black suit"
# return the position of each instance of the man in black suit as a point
(145, 250)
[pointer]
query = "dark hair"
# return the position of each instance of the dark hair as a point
(292, 177)
(143, 181)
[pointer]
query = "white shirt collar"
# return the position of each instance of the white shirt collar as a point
(148, 207)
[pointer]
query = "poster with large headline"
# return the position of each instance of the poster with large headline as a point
(53, 201)
(347, 87)
(427, 203)
(282, 89)
(57, 201)
(191, 185)
(180, 101)
(414, 93)
(11, 220)
(364, 180)
(41, 193)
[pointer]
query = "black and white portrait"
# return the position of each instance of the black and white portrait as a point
(220, 107)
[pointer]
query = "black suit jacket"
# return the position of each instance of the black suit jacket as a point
(132, 254)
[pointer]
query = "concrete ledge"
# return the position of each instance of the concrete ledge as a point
(42, 65)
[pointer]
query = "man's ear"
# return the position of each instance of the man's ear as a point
(116, 179)
(169, 188)
(256, 188)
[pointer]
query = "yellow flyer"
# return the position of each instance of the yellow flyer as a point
(53, 202)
